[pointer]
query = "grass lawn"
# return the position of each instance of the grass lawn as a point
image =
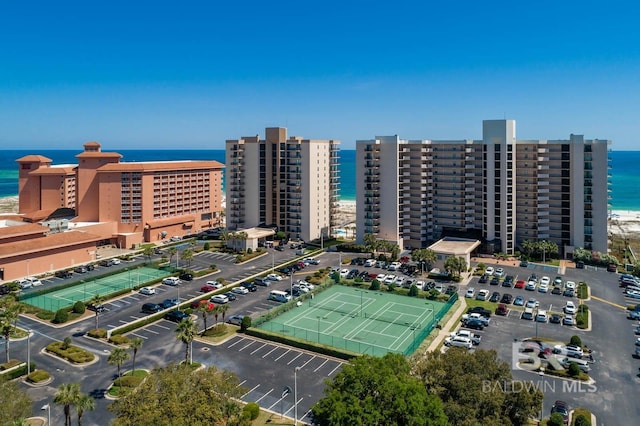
(130, 381)
(266, 418)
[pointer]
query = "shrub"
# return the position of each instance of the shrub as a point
(252, 410)
(574, 370)
(66, 343)
(128, 381)
(119, 339)
(62, 316)
(581, 420)
(245, 324)
(100, 333)
(207, 246)
(391, 287)
(78, 307)
(71, 353)
(249, 250)
(375, 285)
(555, 420)
(413, 291)
(18, 372)
(38, 376)
(576, 340)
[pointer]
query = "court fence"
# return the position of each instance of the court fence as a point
(319, 342)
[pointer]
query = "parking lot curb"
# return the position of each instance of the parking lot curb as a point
(444, 331)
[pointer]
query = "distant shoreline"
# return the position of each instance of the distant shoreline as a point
(9, 204)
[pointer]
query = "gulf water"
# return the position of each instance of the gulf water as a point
(625, 175)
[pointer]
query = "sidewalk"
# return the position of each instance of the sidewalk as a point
(443, 333)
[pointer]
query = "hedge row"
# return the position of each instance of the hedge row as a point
(72, 353)
(38, 376)
(18, 372)
(302, 344)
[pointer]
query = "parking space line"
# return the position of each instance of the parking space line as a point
(321, 365)
(289, 363)
(270, 390)
(163, 327)
(268, 353)
(138, 335)
(310, 359)
(245, 347)
(240, 339)
(151, 331)
(334, 370)
(256, 387)
(259, 348)
(288, 350)
(242, 382)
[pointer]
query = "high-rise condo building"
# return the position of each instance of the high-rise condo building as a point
(291, 183)
(498, 189)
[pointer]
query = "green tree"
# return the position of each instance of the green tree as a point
(371, 243)
(555, 420)
(96, 301)
(172, 252)
(573, 370)
(175, 395)
(186, 332)
(205, 309)
(223, 311)
(455, 265)
(135, 344)
(67, 396)
(148, 251)
(581, 420)
(575, 340)
(472, 388)
(413, 291)
(375, 285)
(84, 403)
(7, 320)
(425, 258)
(377, 391)
(117, 357)
(187, 256)
(14, 401)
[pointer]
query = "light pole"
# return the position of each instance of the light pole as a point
(273, 261)
(48, 408)
(28, 352)
(295, 396)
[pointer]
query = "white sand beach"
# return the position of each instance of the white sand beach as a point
(346, 214)
(625, 223)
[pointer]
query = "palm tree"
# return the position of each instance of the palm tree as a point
(96, 301)
(84, 403)
(148, 251)
(68, 394)
(7, 320)
(216, 312)
(205, 309)
(135, 344)
(186, 332)
(172, 252)
(223, 310)
(187, 256)
(117, 357)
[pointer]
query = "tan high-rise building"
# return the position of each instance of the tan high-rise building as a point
(289, 182)
(498, 189)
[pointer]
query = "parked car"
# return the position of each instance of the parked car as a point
(568, 320)
(556, 290)
(483, 279)
(220, 299)
(524, 263)
(274, 277)
(543, 287)
(532, 303)
(482, 295)
(240, 290)
(96, 308)
(115, 261)
(495, 281)
(490, 270)
(147, 290)
(63, 274)
(24, 284)
(475, 324)
(151, 308)
(557, 282)
(172, 281)
(506, 298)
(261, 282)
(186, 277)
(569, 292)
(495, 297)
(502, 309)
(458, 341)
(235, 319)
(531, 285)
(541, 316)
(250, 286)
(569, 308)
(470, 293)
(519, 284)
(34, 281)
(81, 269)
(499, 272)
(518, 301)
(561, 408)
(555, 319)
(545, 280)
(169, 303)
(476, 316)
(211, 286)
(230, 295)
(479, 310)
(176, 316)
(508, 281)
(197, 303)
(106, 262)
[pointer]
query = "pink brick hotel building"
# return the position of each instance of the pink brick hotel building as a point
(67, 211)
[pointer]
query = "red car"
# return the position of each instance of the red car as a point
(520, 284)
(196, 304)
(502, 309)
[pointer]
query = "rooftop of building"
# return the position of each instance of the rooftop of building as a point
(454, 246)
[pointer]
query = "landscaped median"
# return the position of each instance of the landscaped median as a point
(125, 384)
(69, 352)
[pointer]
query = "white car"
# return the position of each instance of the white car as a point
(531, 286)
(381, 277)
(499, 272)
(148, 291)
(569, 308)
(545, 280)
(390, 279)
(274, 277)
(215, 284)
(459, 341)
(400, 281)
(219, 298)
(171, 281)
(570, 285)
(115, 261)
(240, 290)
(34, 281)
(633, 294)
(489, 271)
(483, 295)
(470, 293)
(543, 287)
(532, 303)
(311, 261)
(370, 262)
(22, 283)
(306, 284)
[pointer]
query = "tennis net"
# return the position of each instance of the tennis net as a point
(353, 312)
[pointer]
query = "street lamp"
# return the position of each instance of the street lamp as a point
(28, 352)
(273, 261)
(48, 408)
(295, 396)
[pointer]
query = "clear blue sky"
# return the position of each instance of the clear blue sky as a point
(154, 74)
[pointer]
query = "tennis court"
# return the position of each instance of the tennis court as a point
(363, 321)
(85, 290)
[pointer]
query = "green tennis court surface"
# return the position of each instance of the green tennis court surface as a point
(363, 321)
(85, 290)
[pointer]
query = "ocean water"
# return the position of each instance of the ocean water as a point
(625, 175)
(9, 167)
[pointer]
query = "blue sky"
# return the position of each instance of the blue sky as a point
(167, 75)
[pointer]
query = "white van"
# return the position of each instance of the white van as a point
(279, 296)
